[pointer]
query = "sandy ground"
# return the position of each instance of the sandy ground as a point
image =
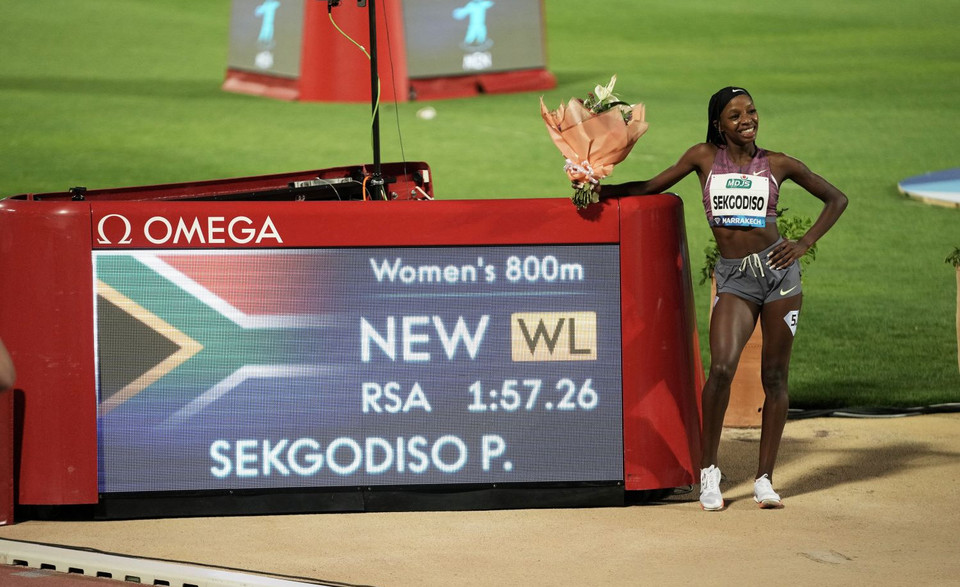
(868, 501)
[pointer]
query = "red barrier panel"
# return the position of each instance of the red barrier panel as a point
(333, 70)
(7, 498)
(660, 357)
(48, 319)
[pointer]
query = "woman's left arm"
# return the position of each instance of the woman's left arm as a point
(834, 203)
(8, 375)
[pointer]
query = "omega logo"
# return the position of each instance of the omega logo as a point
(103, 240)
(159, 230)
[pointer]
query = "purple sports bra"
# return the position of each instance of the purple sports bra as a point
(735, 196)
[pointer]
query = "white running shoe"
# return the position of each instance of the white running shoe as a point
(764, 494)
(710, 498)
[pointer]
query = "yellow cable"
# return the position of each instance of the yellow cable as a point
(376, 106)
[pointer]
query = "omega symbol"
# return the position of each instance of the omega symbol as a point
(103, 240)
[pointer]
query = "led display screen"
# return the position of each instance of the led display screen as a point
(451, 37)
(266, 36)
(292, 368)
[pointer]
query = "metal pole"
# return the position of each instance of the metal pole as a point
(377, 179)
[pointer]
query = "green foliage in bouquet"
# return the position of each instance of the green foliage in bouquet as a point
(584, 195)
(602, 99)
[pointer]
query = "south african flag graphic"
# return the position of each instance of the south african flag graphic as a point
(181, 337)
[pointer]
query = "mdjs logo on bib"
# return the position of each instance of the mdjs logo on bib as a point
(739, 183)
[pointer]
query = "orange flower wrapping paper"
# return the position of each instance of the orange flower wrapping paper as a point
(593, 143)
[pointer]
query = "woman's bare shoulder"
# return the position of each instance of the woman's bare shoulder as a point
(705, 149)
(785, 166)
(778, 158)
(701, 155)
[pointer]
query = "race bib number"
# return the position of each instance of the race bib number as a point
(739, 200)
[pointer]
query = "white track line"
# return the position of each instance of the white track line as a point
(136, 570)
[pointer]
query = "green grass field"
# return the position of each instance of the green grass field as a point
(110, 93)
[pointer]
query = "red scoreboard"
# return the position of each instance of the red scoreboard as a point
(247, 345)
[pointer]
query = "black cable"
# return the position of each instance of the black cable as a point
(873, 412)
(396, 103)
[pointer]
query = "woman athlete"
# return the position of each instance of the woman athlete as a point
(758, 274)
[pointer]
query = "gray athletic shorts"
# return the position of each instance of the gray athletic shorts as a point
(752, 279)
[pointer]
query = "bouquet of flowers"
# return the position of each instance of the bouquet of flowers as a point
(593, 135)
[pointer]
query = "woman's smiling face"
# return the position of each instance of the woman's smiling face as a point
(739, 120)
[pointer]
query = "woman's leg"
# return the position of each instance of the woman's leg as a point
(732, 324)
(779, 322)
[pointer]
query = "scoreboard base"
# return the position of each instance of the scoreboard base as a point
(356, 500)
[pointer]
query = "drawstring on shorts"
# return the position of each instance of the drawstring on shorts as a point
(753, 262)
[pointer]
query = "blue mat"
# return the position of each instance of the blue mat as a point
(938, 187)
